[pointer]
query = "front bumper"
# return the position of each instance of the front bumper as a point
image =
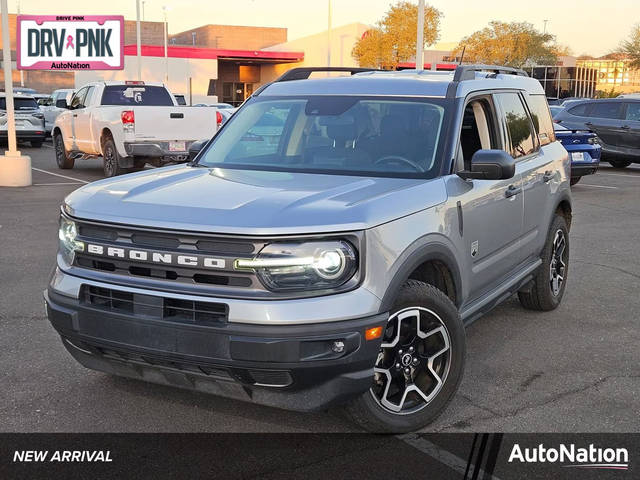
(286, 366)
(157, 150)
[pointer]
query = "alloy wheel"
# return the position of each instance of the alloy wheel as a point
(413, 362)
(557, 267)
(109, 161)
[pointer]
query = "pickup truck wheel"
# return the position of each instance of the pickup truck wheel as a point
(550, 280)
(63, 159)
(419, 366)
(111, 159)
(619, 163)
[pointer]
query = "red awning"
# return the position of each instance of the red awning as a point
(181, 51)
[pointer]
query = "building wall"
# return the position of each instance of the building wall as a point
(614, 74)
(151, 33)
(231, 37)
(315, 50)
(153, 70)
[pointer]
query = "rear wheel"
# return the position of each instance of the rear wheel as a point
(619, 163)
(574, 180)
(111, 159)
(551, 277)
(63, 159)
(419, 366)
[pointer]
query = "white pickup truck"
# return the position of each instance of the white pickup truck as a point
(129, 124)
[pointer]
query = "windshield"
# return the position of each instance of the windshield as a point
(19, 103)
(143, 95)
(332, 134)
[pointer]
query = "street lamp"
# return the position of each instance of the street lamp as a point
(15, 169)
(165, 9)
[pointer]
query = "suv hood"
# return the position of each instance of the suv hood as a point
(252, 202)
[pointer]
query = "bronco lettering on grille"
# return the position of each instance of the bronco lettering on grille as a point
(156, 257)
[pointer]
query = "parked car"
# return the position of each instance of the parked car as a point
(28, 117)
(51, 110)
(555, 109)
(129, 124)
(583, 147)
(338, 265)
(616, 122)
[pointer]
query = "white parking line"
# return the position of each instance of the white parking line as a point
(58, 175)
(58, 183)
(619, 175)
(596, 186)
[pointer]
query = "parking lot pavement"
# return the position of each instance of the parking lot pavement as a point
(576, 369)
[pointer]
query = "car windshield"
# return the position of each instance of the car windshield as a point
(20, 103)
(332, 134)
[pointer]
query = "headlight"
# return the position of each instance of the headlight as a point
(303, 266)
(67, 234)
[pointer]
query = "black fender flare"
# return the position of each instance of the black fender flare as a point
(415, 255)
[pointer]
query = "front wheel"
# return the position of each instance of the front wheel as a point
(111, 159)
(419, 365)
(547, 288)
(63, 159)
(619, 163)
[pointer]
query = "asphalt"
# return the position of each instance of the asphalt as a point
(576, 369)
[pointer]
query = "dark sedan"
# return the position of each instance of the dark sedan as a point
(616, 121)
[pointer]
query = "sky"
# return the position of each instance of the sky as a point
(594, 27)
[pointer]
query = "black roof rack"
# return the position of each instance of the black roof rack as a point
(468, 72)
(303, 73)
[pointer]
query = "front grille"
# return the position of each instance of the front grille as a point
(155, 307)
(176, 243)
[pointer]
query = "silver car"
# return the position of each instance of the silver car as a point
(29, 119)
(328, 246)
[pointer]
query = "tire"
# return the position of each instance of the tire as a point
(111, 159)
(574, 180)
(619, 163)
(434, 310)
(542, 295)
(36, 143)
(64, 161)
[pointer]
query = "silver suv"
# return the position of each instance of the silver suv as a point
(29, 119)
(328, 245)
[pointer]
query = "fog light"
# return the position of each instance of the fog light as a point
(338, 346)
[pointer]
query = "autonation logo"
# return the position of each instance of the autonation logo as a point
(591, 457)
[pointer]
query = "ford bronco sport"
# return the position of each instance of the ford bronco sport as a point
(327, 246)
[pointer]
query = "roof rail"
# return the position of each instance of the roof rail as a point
(303, 73)
(468, 72)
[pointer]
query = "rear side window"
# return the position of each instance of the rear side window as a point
(633, 112)
(579, 110)
(541, 117)
(606, 110)
(143, 95)
(518, 124)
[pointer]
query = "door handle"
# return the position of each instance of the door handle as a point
(548, 175)
(625, 127)
(75, 115)
(512, 190)
(588, 124)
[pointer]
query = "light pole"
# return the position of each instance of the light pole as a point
(138, 43)
(15, 169)
(544, 31)
(329, 35)
(143, 2)
(420, 38)
(165, 9)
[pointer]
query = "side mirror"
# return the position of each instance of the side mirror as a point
(195, 148)
(61, 103)
(490, 165)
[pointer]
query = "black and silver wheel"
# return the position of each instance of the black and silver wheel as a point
(63, 159)
(111, 159)
(547, 288)
(419, 365)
